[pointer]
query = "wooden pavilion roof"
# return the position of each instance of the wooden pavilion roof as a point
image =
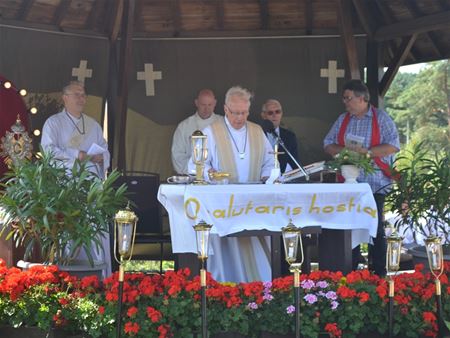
(387, 21)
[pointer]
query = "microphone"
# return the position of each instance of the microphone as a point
(269, 128)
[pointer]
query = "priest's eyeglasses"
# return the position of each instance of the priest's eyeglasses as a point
(347, 98)
(235, 113)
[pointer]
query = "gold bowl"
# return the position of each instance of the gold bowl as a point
(219, 177)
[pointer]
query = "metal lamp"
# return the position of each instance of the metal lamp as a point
(291, 238)
(435, 255)
(124, 235)
(394, 250)
(199, 155)
(202, 232)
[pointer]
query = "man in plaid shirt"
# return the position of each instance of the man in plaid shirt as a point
(367, 130)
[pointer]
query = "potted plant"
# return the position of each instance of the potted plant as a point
(350, 163)
(60, 211)
(421, 196)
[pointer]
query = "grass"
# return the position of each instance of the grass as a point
(149, 266)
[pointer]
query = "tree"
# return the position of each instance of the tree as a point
(421, 104)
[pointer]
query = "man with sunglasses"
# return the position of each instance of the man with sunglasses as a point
(239, 148)
(367, 130)
(272, 111)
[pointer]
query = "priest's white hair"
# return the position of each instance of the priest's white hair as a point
(238, 91)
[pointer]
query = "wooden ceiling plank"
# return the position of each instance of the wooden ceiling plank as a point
(220, 8)
(96, 9)
(416, 12)
(61, 12)
(176, 16)
(309, 17)
(264, 14)
(25, 9)
(138, 18)
(396, 62)
(345, 23)
(419, 25)
(364, 17)
(115, 20)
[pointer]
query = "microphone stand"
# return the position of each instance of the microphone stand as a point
(281, 143)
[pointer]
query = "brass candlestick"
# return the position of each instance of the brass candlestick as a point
(199, 155)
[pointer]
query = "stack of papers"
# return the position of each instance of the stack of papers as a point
(297, 173)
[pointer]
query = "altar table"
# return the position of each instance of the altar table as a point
(248, 207)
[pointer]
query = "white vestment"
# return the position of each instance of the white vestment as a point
(62, 134)
(181, 144)
(238, 259)
(64, 140)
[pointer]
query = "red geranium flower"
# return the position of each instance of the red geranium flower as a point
(132, 328)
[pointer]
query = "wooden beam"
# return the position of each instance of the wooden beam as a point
(419, 25)
(431, 36)
(387, 18)
(115, 19)
(49, 27)
(364, 17)
(96, 9)
(61, 12)
(22, 14)
(124, 71)
(220, 8)
(264, 14)
(374, 57)
(396, 62)
(176, 17)
(236, 33)
(309, 17)
(345, 24)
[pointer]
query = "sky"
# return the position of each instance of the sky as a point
(412, 68)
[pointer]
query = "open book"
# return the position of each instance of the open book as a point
(297, 173)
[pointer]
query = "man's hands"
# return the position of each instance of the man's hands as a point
(83, 156)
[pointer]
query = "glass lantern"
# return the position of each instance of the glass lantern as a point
(291, 238)
(394, 250)
(202, 231)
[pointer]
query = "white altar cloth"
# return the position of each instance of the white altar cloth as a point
(237, 207)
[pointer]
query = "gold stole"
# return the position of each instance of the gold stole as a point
(225, 151)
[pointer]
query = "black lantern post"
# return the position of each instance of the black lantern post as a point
(291, 237)
(394, 249)
(435, 255)
(124, 234)
(202, 231)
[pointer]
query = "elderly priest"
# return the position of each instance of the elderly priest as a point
(239, 148)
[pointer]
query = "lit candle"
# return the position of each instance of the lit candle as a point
(124, 243)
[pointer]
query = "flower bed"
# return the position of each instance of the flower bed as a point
(169, 305)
